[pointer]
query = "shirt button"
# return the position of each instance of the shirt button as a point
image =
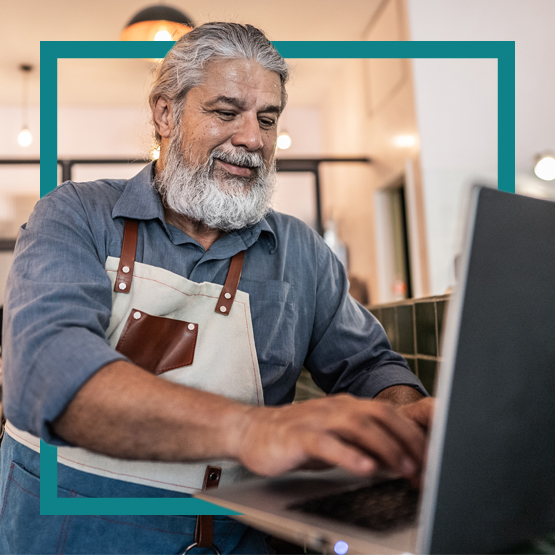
(122, 286)
(137, 315)
(191, 326)
(223, 309)
(125, 269)
(227, 295)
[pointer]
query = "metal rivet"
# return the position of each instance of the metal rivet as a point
(223, 309)
(191, 326)
(227, 295)
(122, 286)
(125, 269)
(137, 315)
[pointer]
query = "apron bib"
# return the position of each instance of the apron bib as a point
(195, 334)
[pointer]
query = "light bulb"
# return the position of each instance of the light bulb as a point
(405, 140)
(25, 138)
(545, 168)
(283, 141)
(162, 35)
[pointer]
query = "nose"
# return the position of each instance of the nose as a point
(247, 133)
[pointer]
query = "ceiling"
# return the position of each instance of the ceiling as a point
(24, 23)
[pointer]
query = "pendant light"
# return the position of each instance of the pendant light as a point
(25, 138)
(283, 138)
(545, 166)
(157, 23)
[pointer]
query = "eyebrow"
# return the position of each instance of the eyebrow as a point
(240, 104)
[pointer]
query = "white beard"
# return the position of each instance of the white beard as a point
(196, 193)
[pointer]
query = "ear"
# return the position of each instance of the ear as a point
(162, 117)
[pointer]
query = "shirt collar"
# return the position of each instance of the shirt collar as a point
(269, 234)
(141, 201)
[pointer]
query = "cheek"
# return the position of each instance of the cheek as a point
(270, 145)
(269, 151)
(205, 135)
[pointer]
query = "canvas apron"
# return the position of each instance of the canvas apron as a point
(195, 334)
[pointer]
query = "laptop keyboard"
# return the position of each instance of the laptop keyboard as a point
(381, 507)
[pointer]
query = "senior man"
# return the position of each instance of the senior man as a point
(155, 327)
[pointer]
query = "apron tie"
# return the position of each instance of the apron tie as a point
(229, 290)
(127, 258)
(124, 276)
(204, 529)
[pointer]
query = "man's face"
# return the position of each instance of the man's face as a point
(218, 163)
(235, 110)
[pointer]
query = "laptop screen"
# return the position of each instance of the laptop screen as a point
(491, 474)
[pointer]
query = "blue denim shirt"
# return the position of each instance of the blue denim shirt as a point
(59, 300)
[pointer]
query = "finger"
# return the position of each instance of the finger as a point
(380, 443)
(334, 452)
(420, 412)
(396, 435)
(406, 431)
(315, 464)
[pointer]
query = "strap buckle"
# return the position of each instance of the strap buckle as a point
(204, 529)
(214, 549)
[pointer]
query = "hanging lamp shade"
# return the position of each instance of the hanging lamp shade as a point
(157, 23)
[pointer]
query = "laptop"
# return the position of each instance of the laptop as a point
(490, 476)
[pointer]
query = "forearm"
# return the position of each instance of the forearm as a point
(126, 412)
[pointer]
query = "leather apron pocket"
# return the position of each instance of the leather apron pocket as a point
(157, 344)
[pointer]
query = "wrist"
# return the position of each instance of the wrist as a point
(399, 395)
(237, 424)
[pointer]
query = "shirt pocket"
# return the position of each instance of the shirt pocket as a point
(274, 319)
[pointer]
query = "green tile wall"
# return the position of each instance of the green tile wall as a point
(414, 328)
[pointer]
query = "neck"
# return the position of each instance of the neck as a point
(205, 235)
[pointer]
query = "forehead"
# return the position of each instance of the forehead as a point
(245, 80)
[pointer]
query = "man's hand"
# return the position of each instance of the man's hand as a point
(421, 412)
(355, 434)
(126, 412)
(410, 404)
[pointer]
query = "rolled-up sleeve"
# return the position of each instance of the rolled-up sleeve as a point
(349, 351)
(58, 307)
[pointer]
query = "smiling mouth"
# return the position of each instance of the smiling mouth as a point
(242, 171)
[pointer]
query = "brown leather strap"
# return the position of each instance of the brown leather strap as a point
(204, 529)
(127, 257)
(223, 306)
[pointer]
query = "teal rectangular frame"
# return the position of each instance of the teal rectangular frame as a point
(51, 51)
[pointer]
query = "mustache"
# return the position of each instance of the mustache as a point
(241, 158)
(192, 190)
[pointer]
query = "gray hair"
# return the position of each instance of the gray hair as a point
(183, 67)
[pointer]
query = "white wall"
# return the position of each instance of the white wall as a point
(530, 24)
(456, 111)
(82, 132)
(456, 107)
(103, 132)
(5, 263)
(303, 123)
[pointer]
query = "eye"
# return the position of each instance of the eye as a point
(267, 123)
(226, 114)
